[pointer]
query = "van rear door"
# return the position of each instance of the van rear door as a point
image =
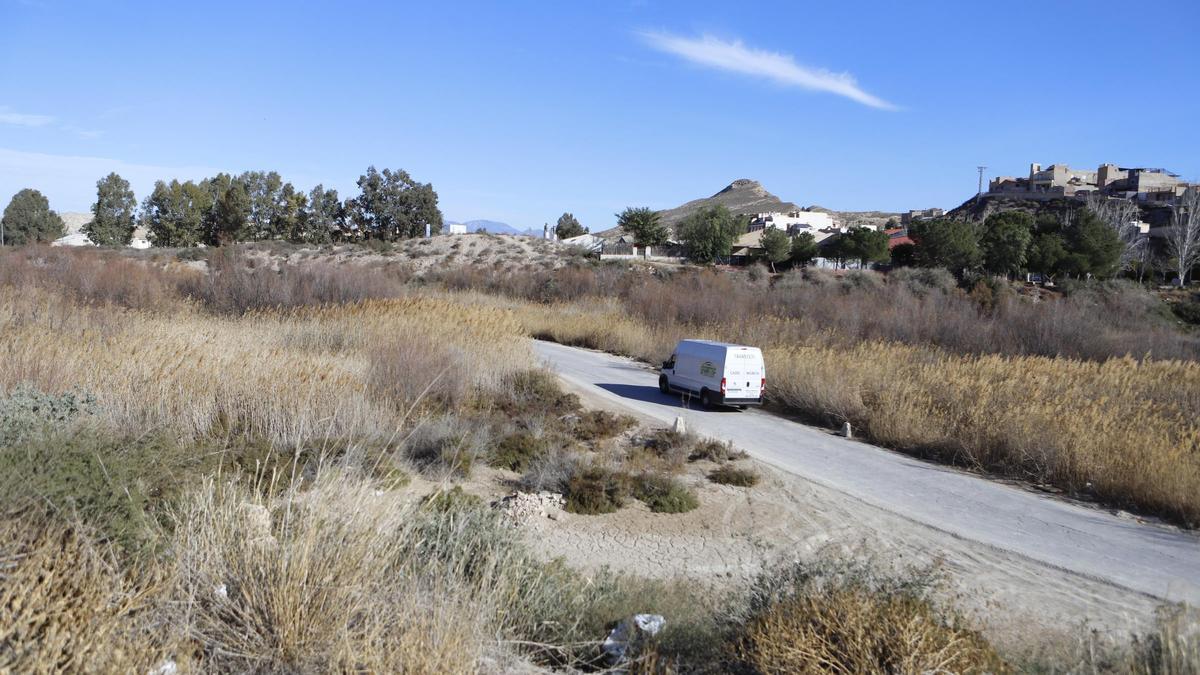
(743, 373)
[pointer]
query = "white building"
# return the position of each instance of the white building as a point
(587, 241)
(456, 228)
(793, 221)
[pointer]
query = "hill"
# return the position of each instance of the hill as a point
(740, 196)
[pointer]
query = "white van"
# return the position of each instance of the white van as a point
(716, 372)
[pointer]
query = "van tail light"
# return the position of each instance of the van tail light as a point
(763, 387)
(722, 386)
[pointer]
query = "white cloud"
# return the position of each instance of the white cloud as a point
(781, 68)
(69, 181)
(8, 116)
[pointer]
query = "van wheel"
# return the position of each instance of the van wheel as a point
(705, 399)
(664, 385)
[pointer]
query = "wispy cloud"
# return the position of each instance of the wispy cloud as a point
(81, 132)
(9, 116)
(736, 57)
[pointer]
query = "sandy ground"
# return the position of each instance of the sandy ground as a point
(736, 531)
(421, 255)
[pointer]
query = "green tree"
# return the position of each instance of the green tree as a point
(1093, 246)
(904, 255)
(28, 220)
(777, 246)
(804, 248)
(291, 218)
(392, 205)
(568, 226)
(228, 221)
(175, 213)
(952, 244)
(709, 233)
(326, 215)
(864, 245)
(644, 224)
(265, 190)
(1047, 250)
(1005, 241)
(114, 215)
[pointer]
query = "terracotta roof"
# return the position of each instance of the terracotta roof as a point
(898, 236)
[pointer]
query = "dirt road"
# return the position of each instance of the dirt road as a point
(1034, 549)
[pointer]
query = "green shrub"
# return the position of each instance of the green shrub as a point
(730, 475)
(442, 446)
(118, 486)
(921, 281)
(671, 445)
(516, 452)
(715, 451)
(379, 245)
(599, 424)
(1188, 311)
(596, 490)
(192, 254)
(664, 494)
(452, 500)
(26, 412)
(534, 392)
(675, 447)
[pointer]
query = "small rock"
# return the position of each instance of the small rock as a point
(520, 508)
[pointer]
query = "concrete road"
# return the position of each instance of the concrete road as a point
(1156, 560)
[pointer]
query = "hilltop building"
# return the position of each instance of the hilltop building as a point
(921, 214)
(1060, 180)
(456, 228)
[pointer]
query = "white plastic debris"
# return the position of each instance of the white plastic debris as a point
(222, 592)
(628, 632)
(168, 667)
(680, 427)
(846, 430)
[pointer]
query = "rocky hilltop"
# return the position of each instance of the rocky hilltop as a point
(741, 196)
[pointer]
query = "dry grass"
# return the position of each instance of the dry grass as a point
(851, 625)
(332, 581)
(338, 573)
(65, 606)
(292, 377)
(1122, 430)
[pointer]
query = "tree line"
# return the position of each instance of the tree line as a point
(227, 209)
(1098, 239)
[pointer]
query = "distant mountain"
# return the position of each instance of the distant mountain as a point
(497, 227)
(740, 196)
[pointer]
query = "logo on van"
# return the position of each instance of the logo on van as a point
(707, 369)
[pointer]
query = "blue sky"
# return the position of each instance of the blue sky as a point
(518, 111)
